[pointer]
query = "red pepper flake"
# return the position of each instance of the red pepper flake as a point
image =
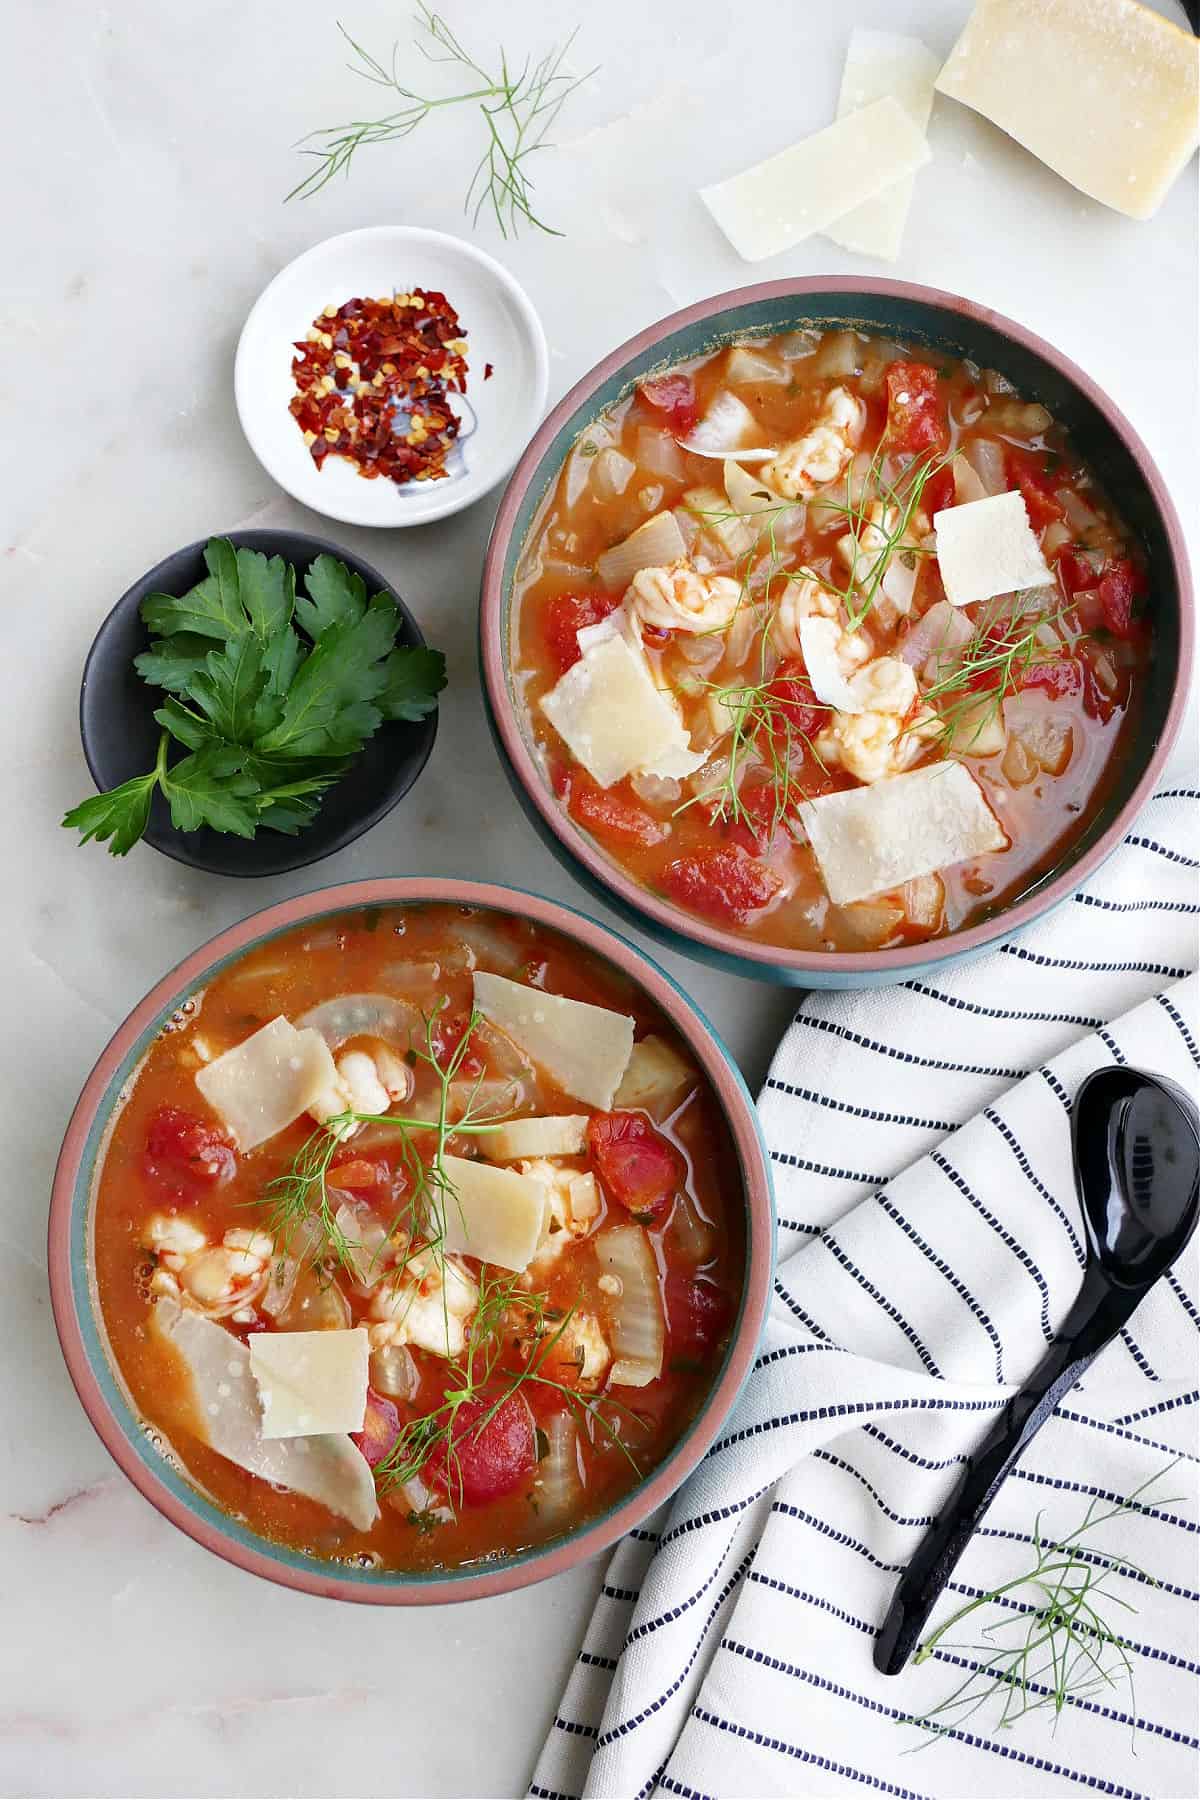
(488, 371)
(373, 380)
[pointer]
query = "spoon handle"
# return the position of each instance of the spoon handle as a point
(1097, 1315)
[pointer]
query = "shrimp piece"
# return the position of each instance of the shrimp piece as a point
(823, 453)
(803, 597)
(678, 598)
(426, 1303)
(367, 1082)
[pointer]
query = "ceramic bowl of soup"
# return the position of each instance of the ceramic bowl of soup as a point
(411, 1240)
(835, 630)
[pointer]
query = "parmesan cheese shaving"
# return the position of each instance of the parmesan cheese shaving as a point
(262, 1084)
(614, 720)
(879, 63)
(780, 202)
(988, 547)
(494, 1214)
(584, 1049)
(310, 1382)
(869, 840)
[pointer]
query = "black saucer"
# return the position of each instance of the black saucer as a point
(120, 736)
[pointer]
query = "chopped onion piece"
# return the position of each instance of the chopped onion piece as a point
(728, 428)
(1080, 516)
(560, 1481)
(839, 356)
(923, 899)
(748, 494)
(979, 728)
(986, 457)
(942, 631)
(598, 436)
(751, 363)
(1018, 418)
(967, 484)
(796, 345)
(635, 1315)
(611, 474)
(366, 1015)
(656, 790)
(659, 454)
(653, 545)
(394, 1372)
(868, 923)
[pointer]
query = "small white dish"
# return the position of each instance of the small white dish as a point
(499, 416)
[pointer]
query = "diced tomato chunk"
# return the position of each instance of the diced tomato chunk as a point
(675, 396)
(1077, 571)
(448, 1034)
(759, 816)
(916, 415)
(565, 616)
(939, 491)
(636, 1164)
(381, 1428)
(1120, 585)
(357, 1174)
(792, 703)
(697, 1314)
(482, 1460)
(723, 884)
(614, 813)
(180, 1144)
(1027, 471)
(1056, 676)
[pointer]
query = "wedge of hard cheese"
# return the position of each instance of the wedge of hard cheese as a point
(494, 1214)
(871, 839)
(264, 1083)
(988, 547)
(1106, 92)
(583, 1048)
(310, 1382)
(881, 63)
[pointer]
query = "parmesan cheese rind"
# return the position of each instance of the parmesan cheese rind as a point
(557, 1135)
(584, 1049)
(310, 1382)
(869, 840)
(804, 189)
(988, 547)
(268, 1080)
(879, 63)
(494, 1214)
(1105, 92)
(613, 719)
(227, 1417)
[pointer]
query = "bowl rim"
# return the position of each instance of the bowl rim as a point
(696, 936)
(392, 1587)
(458, 495)
(267, 540)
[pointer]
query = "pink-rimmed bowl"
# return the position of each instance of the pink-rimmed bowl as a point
(931, 319)
(136, 1446)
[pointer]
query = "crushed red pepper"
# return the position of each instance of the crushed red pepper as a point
(372, 380)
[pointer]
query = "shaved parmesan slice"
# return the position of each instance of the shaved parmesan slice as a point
(329, 1469)
(559, 1135)
(656, 1079)
(726, 428)
(1103, 91)
(310, 1382)
(804, 189)
(584, 1049)
(613, 719)
(494, 1214)
(879, 63)
(869, 840)
(264, 1083)
(819, 640)
(988, 547)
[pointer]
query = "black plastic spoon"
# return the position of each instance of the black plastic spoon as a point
(1136, 1141)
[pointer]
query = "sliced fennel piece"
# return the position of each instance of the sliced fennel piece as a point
(265, 1082)
(819, 640)
(329, 1468)
(988, 547)
(310, 1382)
(869, 840)
(635, 1314)
(881, 63)
(655, 544)
(494, 1214)
(554, 1135)
(656, 1079)
(584, 1049)
(776, 204)
(728, 428)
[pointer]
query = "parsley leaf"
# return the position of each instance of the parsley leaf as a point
(271, 693)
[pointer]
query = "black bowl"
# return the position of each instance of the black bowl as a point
(120, 736)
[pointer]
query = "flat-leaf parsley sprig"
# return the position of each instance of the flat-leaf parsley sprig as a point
(270, 693)
(518, 103)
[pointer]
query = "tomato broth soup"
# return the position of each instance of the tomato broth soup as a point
(829, 641)
(419, 1237)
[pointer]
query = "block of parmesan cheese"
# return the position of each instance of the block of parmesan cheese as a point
(555, 1135)
(869, 840)
(494, 1214)
(1106, 92)
(613, 719)
(584, 1049)
(804, 189)
(879, 63)
(988, 547)
(264, 1083)
(310, 1382)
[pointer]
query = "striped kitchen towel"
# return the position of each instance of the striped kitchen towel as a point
(929, 1244)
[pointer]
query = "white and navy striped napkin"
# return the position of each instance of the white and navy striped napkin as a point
(929, 1244)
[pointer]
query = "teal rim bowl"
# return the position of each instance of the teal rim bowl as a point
(929, 319)
(139, 1448)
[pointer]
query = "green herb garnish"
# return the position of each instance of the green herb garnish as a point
(518, 104)
(272, 694)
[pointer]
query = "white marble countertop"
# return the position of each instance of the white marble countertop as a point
(142, 216)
